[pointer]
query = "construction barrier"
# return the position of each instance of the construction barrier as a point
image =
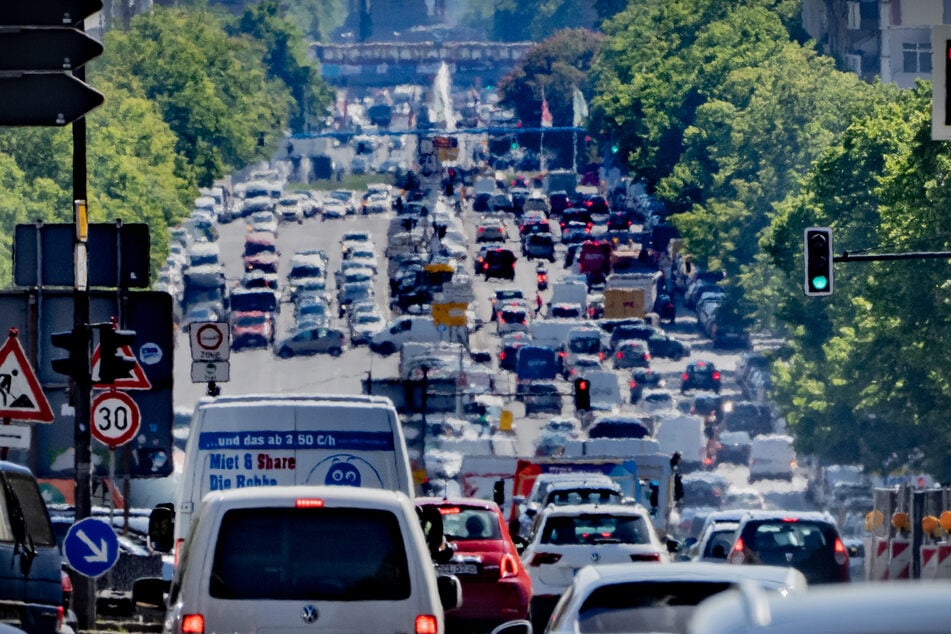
(936, 561)
(899, 560)
(876, 557)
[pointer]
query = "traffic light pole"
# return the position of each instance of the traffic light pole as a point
(84, 595)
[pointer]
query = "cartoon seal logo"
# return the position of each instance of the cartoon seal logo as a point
(345, 470)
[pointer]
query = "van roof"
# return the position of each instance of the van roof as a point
(255, 399)
(278, 496)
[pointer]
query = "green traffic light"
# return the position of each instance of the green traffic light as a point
(820, 282)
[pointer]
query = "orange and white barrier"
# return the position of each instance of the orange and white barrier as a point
(877, 554)
(899, 560)
(936, 561)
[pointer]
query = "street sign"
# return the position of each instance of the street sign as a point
(210, 340)
(208, 371)
(48, 12)
(115, 418)
(15, 436)
(45, 48)
(91, 547)
(137, 380)
(44, 99)
(450, 314)
(21, 397)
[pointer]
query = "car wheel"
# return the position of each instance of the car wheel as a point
(335, 352)
(285, 353)
(387, 348)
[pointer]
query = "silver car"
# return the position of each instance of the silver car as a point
(311, 340)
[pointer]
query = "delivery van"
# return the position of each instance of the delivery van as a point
(772, 457)
(684, 434)
(309, 558)
(271, 440)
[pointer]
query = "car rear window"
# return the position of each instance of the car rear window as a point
(310, 554)
(649, 606)
(790, 535)
(596, 529)
(470, 523)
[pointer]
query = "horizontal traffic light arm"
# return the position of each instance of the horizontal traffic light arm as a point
(882, 257)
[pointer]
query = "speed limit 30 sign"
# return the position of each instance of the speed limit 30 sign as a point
(115, 418)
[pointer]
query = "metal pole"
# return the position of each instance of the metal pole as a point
(84, 587)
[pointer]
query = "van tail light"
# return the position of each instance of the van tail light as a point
(426, 624)
(508, 566)
(179, 543)
(193, 624)
(645, 557)
(60, 617)
(541, 559)
(841, 554)
(684, 376)
(737, 555)
(793, 464)
(601, 356)
(633, 384)
(620, 355)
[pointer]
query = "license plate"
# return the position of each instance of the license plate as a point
(453, 568)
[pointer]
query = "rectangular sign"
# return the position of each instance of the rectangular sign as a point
(15, 436)
(208, 371)
(210, 341)
(118, 255)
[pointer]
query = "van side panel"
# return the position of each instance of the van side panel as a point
(280, 442)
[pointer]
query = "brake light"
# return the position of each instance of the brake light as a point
(508, 566)
(540, 559)
(485, 266)
(309, 503)
(737, 556)
(684, 376)
(647, 356)
(645, 557)
(60, 617)
(716, 376)
(601, 356)
(66, 582)
(449, 510)
(426, 624)
(620, 355)
(193, 624)
(501, 356)
(841, 554)
(790, 519)
(633, 384)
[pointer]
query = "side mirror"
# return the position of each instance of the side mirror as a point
(162, 528)
(673, 546)
(450, 592)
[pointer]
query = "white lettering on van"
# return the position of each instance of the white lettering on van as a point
(254, 481)
(253, 441)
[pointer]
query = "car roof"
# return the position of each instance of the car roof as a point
(599, 509)
(871, 608)
(816, 516)
(607, 574)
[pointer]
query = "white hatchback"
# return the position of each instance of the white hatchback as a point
(568, 538)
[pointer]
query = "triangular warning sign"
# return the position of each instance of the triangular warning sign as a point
(136, 381)
(21, 397)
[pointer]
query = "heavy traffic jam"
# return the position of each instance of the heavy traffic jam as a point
(572, 451)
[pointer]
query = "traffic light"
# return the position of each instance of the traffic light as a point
(582, 394)
(113, 364)
(817, 253)
(76, 344)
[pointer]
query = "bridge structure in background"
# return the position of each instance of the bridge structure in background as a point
(390, 63)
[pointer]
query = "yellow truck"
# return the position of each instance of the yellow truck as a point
(630, 295)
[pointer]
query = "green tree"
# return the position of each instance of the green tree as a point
(211, 89)
(284, 54)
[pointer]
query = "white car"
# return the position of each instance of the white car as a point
(571, 537)
(334, 209)
(263, 221)
(639, 597)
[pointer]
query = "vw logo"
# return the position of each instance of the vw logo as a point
(308, 614)
(595, 556)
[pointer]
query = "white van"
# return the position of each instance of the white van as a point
(419, 328)
(772, 457)
(278, 440)
(683, 433)
(317, 558)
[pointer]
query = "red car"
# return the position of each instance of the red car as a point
(251, 329)
(495, 586)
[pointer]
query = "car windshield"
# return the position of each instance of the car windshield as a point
(248, 321)
(585, 345)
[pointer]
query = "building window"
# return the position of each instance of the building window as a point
(916, 57)
(854, 22)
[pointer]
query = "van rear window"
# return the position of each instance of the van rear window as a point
(310, 554)
(38, 526)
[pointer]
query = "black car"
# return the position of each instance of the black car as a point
(499, 263)
(754, 418)
(641, 379)
(558, 201)
(619, 221)
(665, 308)
(807, 541)
(733, 447)
(508, 349)
(700, 375)
(597, 204)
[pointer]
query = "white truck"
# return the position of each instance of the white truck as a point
(630, 294)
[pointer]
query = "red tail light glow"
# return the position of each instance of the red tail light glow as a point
(508, 566)
(620, 355)
(841, 554)
(178, 549)
(716, 376)
(684, 376)
(448, 510)
(540, 559)
(633, 384)
(426, 624)
(60, 617)
(309, 503)
(737, 555)
(193, 624)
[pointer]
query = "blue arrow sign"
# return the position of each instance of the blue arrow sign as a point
(91, 547)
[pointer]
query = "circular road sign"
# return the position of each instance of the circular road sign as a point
(115, 418)
(209, 341)
(210, 337)
(91, 547)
